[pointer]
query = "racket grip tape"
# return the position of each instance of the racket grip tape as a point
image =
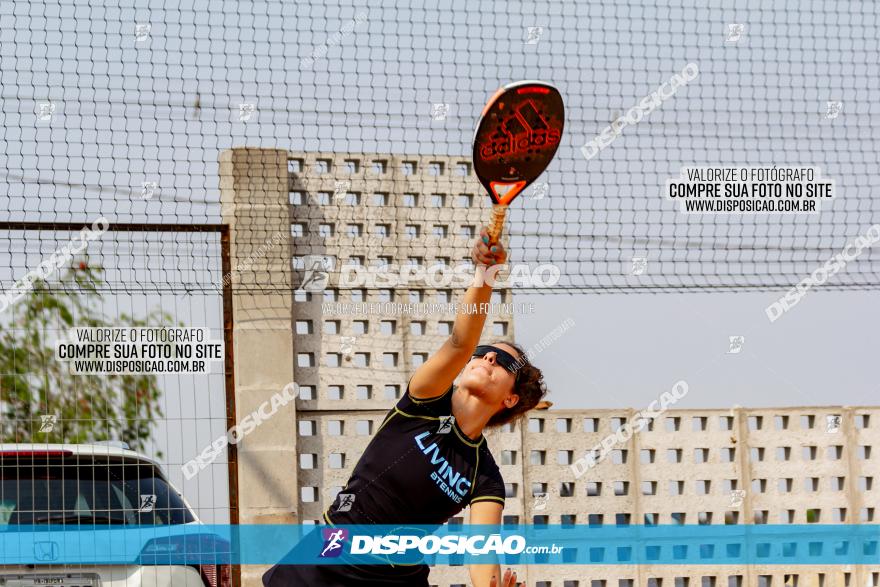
(499, 212)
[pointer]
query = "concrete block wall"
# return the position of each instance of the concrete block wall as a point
(684, 469)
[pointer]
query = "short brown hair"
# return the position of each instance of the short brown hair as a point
(529, 386)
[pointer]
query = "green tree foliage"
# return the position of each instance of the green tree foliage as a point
(34, 384)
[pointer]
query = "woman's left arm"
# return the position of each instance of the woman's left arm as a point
(489, 513)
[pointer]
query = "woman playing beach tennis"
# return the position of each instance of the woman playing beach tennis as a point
(423, 466)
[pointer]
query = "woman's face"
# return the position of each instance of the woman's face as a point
(484, 377)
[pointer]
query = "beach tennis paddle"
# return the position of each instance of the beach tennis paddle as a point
(516, 138)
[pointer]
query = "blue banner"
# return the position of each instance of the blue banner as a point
(809, 544)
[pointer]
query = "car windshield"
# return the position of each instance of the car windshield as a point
(79, 490)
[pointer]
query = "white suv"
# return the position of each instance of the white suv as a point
(92, 484)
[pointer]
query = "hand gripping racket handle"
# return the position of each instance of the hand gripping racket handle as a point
(499, 211)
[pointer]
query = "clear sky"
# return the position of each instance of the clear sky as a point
(355, 76)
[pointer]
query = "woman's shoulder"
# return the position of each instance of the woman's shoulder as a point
(439, 405)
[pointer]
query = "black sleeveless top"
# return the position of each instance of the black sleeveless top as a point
(419, 468)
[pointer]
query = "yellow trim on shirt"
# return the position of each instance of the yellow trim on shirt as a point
(415, 400)
(387, 419)
(488, 497)
(459, 434)
(476, 470)
(468, 442)
(396, 409)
